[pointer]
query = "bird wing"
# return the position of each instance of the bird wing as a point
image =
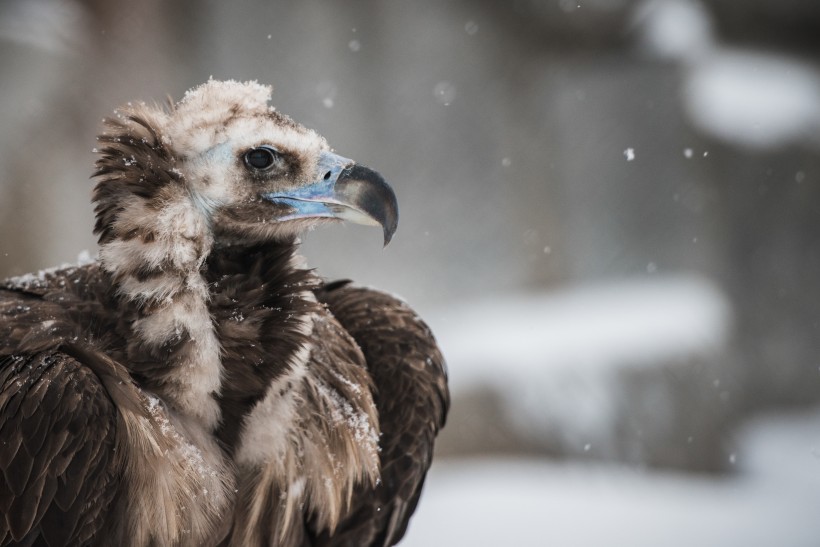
(412, 398)
(58, 473)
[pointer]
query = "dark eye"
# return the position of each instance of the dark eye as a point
(262, 158)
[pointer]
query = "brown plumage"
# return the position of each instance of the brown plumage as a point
(197, 385)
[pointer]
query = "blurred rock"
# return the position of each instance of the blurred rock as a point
(630, 372)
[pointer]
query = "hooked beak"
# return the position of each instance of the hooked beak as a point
(342, 190)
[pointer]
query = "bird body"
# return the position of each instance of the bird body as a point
(197, 385)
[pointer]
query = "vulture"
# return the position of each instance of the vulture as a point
(196, 384)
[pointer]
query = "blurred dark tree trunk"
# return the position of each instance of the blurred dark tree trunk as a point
(769, 213)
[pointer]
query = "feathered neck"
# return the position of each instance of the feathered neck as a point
(154, 241)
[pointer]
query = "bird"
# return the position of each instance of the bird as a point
(196, 383)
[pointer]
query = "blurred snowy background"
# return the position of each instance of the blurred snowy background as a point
(610, 216)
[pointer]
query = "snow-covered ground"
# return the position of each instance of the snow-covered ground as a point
(772, 500)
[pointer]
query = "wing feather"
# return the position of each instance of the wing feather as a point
(411, 394)
(57, 438)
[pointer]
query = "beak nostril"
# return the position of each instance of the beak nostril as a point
(327, 175)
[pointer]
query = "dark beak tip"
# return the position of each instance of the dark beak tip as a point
(369, 193)
(391, 217)
(388, 235)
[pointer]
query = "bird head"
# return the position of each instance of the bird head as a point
(248, 173)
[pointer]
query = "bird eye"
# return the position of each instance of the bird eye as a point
(262, 158)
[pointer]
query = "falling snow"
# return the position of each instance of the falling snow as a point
(444, 92)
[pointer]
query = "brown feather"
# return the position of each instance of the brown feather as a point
(28, 502)
(412, 397)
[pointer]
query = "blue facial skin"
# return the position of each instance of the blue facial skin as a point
(317, 199)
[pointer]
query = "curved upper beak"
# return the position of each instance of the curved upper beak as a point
(341, 189)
